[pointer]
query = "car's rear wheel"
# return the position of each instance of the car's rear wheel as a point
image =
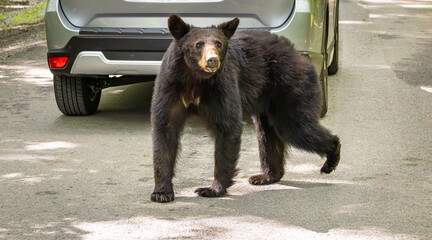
(75, 96)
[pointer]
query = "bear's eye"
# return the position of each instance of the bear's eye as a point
(199, 45)
(218, 44)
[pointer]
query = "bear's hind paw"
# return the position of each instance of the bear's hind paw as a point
(332, 161)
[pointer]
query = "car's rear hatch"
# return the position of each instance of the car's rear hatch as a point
(153, 13)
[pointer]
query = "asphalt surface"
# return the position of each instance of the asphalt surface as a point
(91, 177)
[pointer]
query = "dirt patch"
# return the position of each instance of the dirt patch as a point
(19, 39)
(21, 26)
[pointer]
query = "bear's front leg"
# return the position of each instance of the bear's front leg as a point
(168, 120)
(225, 123)
(227, 148)
(164, 156)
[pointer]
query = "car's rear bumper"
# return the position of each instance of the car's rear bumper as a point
(103, 56)
(96, 63)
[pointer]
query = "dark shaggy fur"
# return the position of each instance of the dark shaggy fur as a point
(257, 74)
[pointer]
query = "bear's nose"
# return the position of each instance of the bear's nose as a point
(212, 62)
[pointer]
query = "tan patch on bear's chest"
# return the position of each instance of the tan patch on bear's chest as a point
(191, 95)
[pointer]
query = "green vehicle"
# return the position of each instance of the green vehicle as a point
(97, 44)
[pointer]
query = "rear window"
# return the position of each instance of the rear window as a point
(154, 13)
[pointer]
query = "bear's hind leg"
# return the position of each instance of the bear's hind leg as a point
(309, 135)
(332, 160)
(271, 152)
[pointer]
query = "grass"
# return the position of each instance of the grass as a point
(4, 16)
(34, 14)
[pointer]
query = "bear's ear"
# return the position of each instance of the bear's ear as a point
(177, 27)
(228, 28)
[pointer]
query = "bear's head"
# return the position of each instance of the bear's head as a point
(203, 49)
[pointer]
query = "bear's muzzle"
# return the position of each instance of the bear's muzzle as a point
(210, 61)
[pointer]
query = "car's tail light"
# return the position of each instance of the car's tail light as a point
(58, 62)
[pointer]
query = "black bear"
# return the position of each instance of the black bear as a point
(223, 77)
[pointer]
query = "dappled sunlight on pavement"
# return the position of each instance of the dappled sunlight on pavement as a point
(241, 227)
(427, 88)
(27, 74)
(50, 145)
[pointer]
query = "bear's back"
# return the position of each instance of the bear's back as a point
(259, 42)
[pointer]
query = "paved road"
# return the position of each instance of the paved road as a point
(91, 177)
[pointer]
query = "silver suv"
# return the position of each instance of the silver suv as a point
(97, 44)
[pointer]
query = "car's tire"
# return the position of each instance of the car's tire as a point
(334, 66)
(324, 70)
(74, 96)
(324, 88)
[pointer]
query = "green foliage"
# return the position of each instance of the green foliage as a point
(4, 16)
(5, 19)
(30, 15)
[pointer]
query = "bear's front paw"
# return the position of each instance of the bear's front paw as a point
(262, 179)
(162, 197)
(208, 192)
